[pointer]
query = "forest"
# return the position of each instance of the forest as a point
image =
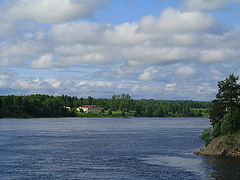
(39, 105)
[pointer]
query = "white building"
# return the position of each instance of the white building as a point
(89, 108)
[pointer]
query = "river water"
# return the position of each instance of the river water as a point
(108, 148)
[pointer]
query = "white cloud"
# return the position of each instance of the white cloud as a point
(46, 61)
(3, 84)
(10, 62)
(170, 87)
(95, 83)
(173, 20)
(145, 58)
(26, 84)
(37, 85)
(175, 36)
(142, 55)
(53, 82)
(125, 70)
(48, 11)
(125, 34)
(5, 29)
(219, 55)
(207, 4)
(205, 88)
(21, 49)
(4, 77)
(74, 32)
(85, 54)
(185, 71)
(149, 74)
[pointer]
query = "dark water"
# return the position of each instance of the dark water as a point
(138, 149)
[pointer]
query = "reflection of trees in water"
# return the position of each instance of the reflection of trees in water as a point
(222, 167)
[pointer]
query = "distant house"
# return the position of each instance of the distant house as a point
(89, 109)
(68, 108)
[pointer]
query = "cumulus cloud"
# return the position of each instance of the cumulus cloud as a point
(5, 29)
(173, 20)
(125, 34)
(141, 55)
(96, 83)
(185, 71)
(54, 83)
(22, 48)
(50, 11)
(3, 76)
(154, 40)
(46, 61)
(74, 32)
(149, 74)
(4, 62)
(124, 69)
(170, 87)
(206, 4)
(219, 55)
(205, 88)
(3, 84)
(174, 37)
(145, 58)
(27, 84)
(85, 54)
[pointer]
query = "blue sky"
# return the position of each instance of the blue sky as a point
(161, 49)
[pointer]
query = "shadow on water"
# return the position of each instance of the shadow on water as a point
(221, 167)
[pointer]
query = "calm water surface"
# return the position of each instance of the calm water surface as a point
(117, 148)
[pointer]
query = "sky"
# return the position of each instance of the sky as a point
(151, 49)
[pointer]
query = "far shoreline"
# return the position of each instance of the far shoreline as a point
(95, 116)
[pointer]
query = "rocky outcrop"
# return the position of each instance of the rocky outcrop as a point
(222, 146)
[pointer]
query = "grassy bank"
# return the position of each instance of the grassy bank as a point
(106, 114)
(201, 112)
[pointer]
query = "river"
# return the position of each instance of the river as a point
(108, 148)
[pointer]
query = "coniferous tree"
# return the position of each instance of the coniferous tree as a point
(227, 98)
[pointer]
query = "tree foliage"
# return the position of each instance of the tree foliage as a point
(206, 136)
(33, 106)
(227, 99)
(225, 112)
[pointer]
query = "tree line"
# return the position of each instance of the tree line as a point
(33, 106)
(39, 105)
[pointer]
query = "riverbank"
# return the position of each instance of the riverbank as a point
(228, 145)
(117, 114)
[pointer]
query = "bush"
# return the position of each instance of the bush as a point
(231, 122)
(206, 136)
(235, 120)
(216, 130)
(226, 124)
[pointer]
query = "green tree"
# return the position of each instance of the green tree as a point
(231, 122)
(125, 103)
(114, 102)
(149, 111)
(216, 130)
(225, 113)
(227, 98)
(206, 136)
(90, 100)
(138, 109)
